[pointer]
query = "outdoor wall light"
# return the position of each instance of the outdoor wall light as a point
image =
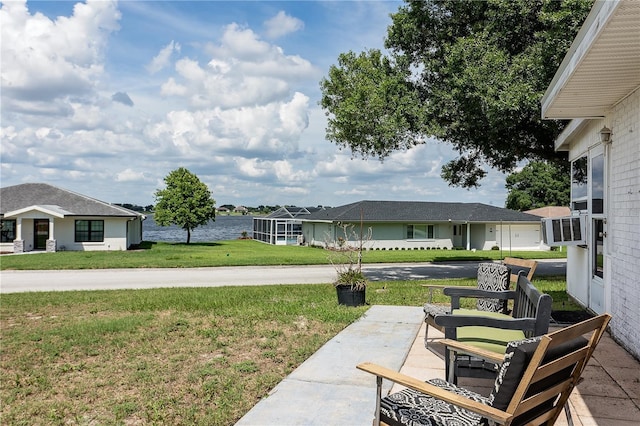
(605, 135)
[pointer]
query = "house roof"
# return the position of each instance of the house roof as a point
(57, 201)
(419, 211)
(602, 66)
(550, 211)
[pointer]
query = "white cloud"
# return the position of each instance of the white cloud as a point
(242, 71)
(129, 175)
(281, 25)
(268, 131)
(163, 58)
(44, 61)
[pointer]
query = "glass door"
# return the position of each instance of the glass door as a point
(597, 231)
(40, 233)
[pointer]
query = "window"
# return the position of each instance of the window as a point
(89, 231)
(8, 230)
(579, 181)
(597, 184)
(420, 232)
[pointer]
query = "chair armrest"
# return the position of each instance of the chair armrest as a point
(458, 292)
(473, 350)
(453, 321)
(477, 293)
(436, 392)
(432, 287)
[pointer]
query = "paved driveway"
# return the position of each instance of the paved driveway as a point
(111, 279)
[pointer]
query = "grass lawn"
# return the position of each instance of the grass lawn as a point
(200, 356)
(237, 253)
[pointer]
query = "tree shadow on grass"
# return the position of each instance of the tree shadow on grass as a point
(199, 244)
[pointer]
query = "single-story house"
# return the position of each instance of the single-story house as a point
(38, 216)
(597, 86)
(283, 226)
(426, 225)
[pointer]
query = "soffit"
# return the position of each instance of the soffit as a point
(602, 66)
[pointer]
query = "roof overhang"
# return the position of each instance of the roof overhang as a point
(55, 211)
(601, 68)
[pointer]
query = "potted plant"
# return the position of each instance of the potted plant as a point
(350, 282)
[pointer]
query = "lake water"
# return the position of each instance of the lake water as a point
(224, 228)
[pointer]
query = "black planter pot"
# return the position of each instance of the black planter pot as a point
(350, 297)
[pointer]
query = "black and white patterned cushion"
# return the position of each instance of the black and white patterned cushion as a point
(412, 408)
(493, 277)
(516, 358)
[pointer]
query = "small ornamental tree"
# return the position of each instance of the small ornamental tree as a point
(185, 202)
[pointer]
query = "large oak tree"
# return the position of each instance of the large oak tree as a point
(538, 184)
(469, 73)
(185, 202)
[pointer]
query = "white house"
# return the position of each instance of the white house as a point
(411, 225)
(597, 86)
(38, 216)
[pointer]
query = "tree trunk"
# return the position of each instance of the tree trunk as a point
(188, 235)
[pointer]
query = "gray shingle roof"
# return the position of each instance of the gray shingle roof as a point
(419, 211)
(17, 197)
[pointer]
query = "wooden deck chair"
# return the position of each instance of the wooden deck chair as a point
(534, 383)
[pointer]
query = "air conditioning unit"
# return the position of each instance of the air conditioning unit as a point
(564, 231)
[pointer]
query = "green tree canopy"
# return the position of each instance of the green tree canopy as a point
(185, 202)
(470, 73)
(539, 184)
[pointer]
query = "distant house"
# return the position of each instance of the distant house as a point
(597, 86)
(283, 226)
(241, 209)
(38, 216)
(427, 225)
(223, 210)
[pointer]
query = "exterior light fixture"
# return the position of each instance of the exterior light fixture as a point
(605, 135)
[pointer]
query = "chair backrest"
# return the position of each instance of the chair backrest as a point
(493, 277)
(529, 302)
(517, 265)
(538, 374)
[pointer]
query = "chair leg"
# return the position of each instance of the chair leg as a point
(426, 335)
(376, 420)
(567, 411)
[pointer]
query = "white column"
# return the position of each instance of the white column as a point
(468, 236)
(19, 228)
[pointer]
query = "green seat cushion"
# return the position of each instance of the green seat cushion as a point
(489, 338)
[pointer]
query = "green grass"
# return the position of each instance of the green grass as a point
(237, 253)
(201, 356)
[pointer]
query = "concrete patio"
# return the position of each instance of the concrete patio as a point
(327, 389)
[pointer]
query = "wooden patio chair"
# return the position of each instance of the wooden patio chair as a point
(491, 277)
(534, 383)
(491, 331)
(516, 265)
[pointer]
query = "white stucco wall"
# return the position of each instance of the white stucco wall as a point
(115, 237)
(392, 236)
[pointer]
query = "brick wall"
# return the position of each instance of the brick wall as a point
(624, 223)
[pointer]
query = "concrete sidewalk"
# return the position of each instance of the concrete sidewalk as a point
(327, 389)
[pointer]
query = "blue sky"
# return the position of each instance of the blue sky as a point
(106, 98)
